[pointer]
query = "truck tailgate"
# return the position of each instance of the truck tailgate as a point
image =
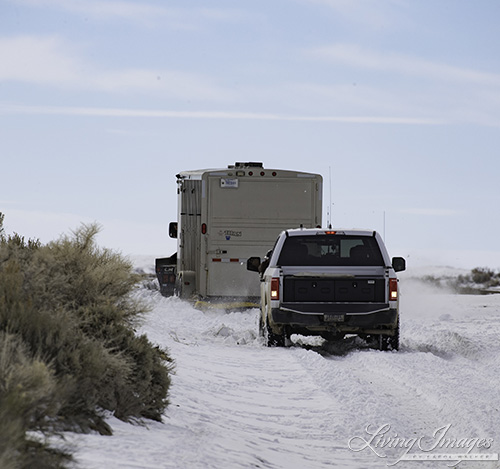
(330, 290)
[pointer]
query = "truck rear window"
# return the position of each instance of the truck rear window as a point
(330, 250)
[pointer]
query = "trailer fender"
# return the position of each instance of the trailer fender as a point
(187, 284)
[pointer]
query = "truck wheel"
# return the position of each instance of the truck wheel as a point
(272, 339)
(389, 342)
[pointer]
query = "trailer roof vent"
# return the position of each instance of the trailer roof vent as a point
(248, 164)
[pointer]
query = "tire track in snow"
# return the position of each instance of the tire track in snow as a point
(265, 411)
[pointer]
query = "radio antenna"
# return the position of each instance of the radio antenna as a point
(384, 226)
(329, 211)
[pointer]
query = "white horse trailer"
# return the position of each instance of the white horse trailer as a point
(227, 215)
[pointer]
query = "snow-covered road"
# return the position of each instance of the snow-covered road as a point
(238, 404)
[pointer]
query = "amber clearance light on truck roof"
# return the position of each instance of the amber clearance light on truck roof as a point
(332, 232)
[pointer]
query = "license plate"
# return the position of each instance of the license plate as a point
(334, 318)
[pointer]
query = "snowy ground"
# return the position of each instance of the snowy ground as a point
(238, 404)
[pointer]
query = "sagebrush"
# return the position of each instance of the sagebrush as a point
(68, 350)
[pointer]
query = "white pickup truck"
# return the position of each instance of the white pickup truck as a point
(329, 283)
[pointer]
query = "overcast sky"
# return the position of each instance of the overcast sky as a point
(103, 102)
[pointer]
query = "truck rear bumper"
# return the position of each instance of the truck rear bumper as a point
(339, 317)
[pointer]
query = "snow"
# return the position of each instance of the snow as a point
(237, 404)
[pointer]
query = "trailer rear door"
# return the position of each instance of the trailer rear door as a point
(245, 216)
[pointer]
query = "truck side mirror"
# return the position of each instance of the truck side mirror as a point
(253, 264)
(172, 229)
(398, 264)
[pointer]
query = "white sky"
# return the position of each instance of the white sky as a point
(103, 102)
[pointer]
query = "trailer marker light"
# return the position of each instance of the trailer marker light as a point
(262, 173)
(274, 173)
(203, 228)
(275, 289)
(330, 232)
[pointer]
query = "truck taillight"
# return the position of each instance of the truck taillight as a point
(275, 289)
(393, 289)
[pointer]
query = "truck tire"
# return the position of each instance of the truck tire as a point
(271, 339)
(389, 342)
